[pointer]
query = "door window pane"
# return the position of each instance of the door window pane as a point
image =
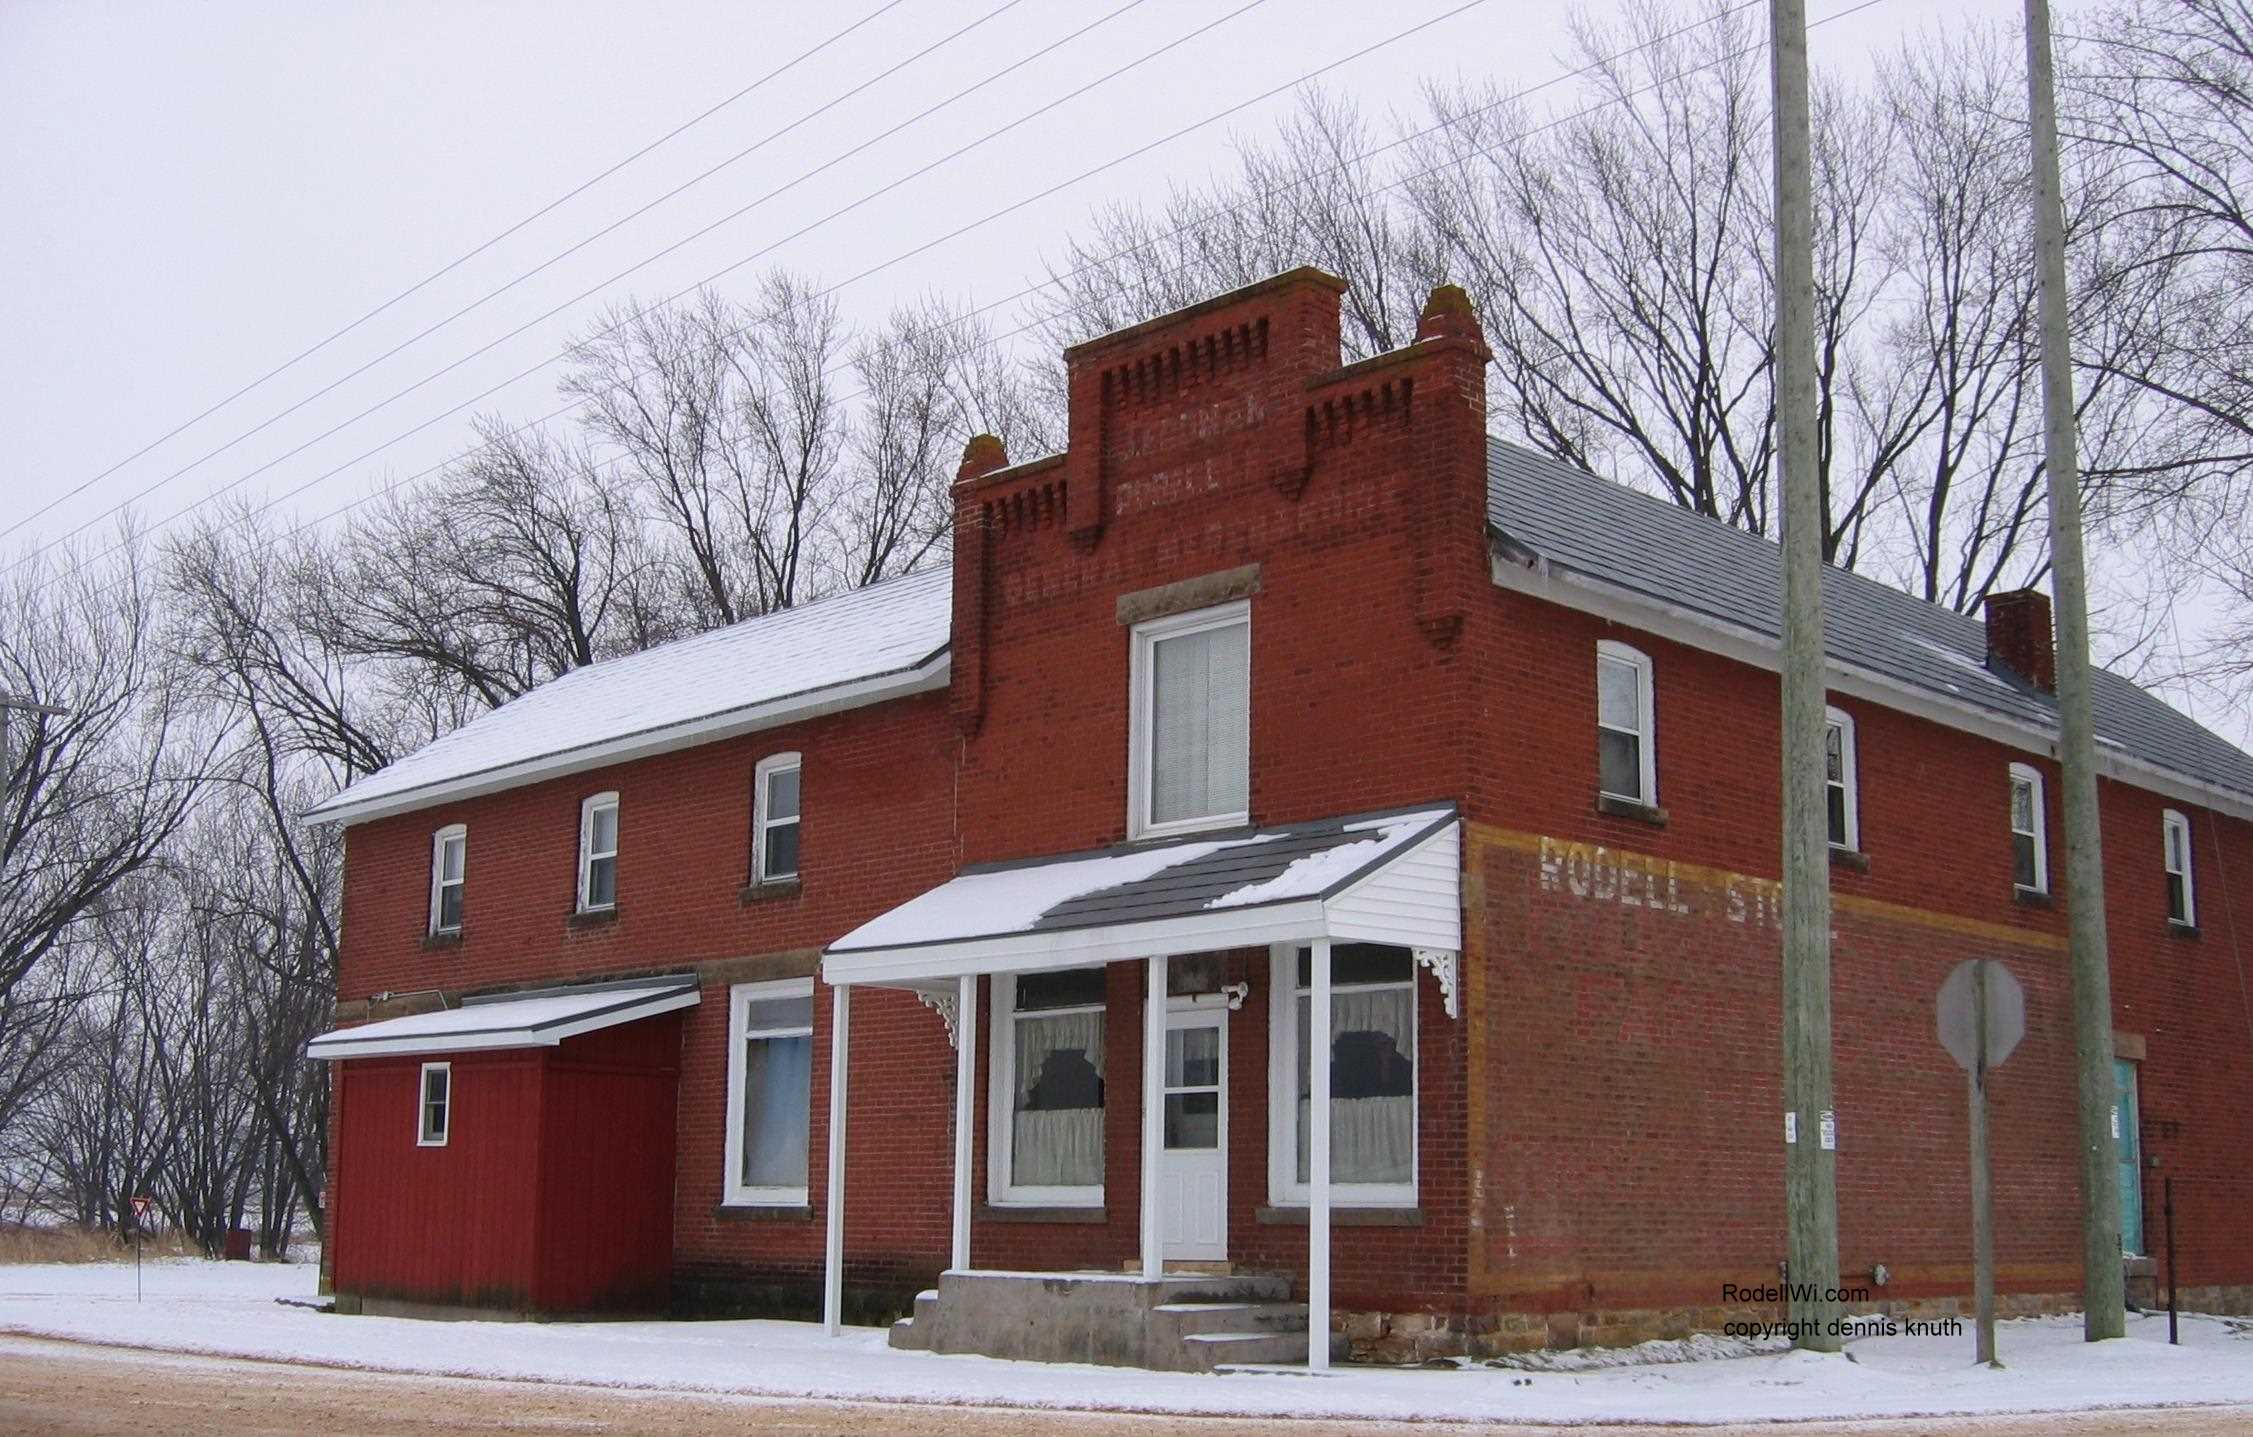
(1193, 1121)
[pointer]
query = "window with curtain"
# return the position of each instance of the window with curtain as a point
(1372, 1073)
(770, 1089)
(1192, 721)
(1052, 1026)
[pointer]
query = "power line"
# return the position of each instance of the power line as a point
(738, 264)
(610, 228)
(456, 263)
(1198, 223)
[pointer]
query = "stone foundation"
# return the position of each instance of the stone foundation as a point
(1409, 1338)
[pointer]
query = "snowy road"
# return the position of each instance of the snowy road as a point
(76, 1390)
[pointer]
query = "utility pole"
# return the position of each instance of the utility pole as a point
(1810, 1156)
(2101, 1276)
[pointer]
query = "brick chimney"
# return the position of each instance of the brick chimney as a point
(2019, 637)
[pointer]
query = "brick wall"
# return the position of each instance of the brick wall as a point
(1598, 1133)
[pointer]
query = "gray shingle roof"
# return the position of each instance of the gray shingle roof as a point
(1607, 532)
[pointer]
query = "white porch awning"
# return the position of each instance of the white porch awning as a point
(1379, 878)
(540, 1018)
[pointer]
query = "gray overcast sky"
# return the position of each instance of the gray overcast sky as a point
(195, 193)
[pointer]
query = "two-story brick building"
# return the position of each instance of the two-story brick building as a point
(1284, 692)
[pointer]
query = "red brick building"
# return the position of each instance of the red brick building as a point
(1281, 666)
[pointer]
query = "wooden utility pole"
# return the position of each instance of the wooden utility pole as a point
(1810, 1157)
(2101, 1277)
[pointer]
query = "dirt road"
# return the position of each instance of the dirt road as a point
(85, 1391)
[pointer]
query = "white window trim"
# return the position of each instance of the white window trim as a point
(1283, 1187)
(587, 855)
(768, 767)
(1146, 637)
(438, 884)
(734, 1191)
(1850, 780)
(2027, 773)
(1646, 715)
(2172, 822)
(423, 1138)
(1001, 1106)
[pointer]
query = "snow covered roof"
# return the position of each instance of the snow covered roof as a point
(874, 643)
(1293, 883)
(540, 1018)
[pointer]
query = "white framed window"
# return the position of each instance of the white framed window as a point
(1046, 1089)
(449, 860)
(2182, 900)
(2029, 830)
(1626, 724)
(1374, 1075)
(1190, 739)
(434, 1105)
(774, 818)
(770, 1091)
(1842, 815)
(598, 853)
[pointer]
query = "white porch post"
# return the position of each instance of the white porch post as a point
(1318, 1166)
(833, 1269)
(965, 1110)
(1153, 1116)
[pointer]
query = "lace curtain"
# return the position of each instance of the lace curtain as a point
(1372, 1086)
(1057, 1139)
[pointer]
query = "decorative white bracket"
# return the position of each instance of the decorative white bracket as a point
(942, 1004)
(1236, 993)
(1446, 966)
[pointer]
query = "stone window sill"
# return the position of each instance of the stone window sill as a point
(989, 1213)
(2032, 897)
(2176, 929)
(1346, 1216)
(437, 942)
(770, 890)
(591, 918)
(763, 1212)
(1850, 858)
(1618, 807)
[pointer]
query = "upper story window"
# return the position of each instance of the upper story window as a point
(1189, 764)
(2182, 903)
(598, 853)
(435, 1105)
(1841, 799)
(770, 1089)
(1626, 766)
(2029, 832)
(774, 819)
(1046, 1144)
(449, 860)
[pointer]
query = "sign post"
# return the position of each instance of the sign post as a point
(1982, 1016)
(141, 1206)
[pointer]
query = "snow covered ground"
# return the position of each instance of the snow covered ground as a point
(232, 1309)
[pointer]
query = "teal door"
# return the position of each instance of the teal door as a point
(2125, 1131)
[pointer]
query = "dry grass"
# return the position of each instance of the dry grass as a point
(63, 1242)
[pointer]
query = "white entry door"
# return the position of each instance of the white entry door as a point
(1193, 1185)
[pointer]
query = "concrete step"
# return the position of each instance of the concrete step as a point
(1210, 1351)
(913, 1334)
(1184, 1318)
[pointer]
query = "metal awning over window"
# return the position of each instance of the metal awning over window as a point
(1384, 877)
(540, 1018)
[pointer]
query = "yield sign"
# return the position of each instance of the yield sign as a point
(141, 1206)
